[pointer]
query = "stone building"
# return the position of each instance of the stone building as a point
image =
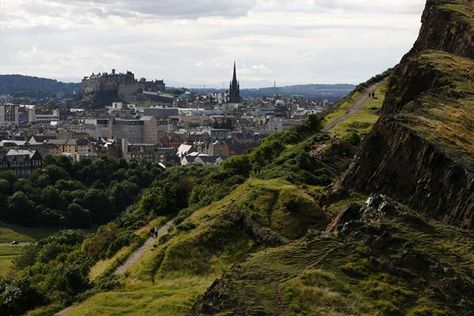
(105, 88)
(130, 129)
(22, 162)
(9, 115)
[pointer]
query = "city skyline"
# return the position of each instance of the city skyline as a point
(194, 43)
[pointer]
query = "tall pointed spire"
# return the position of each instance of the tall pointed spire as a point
(234, 90)
(234, 78)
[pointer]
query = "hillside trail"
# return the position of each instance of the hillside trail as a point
(137, 254)
(356, 106)
(132, 259)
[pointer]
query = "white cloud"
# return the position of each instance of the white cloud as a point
(290, 41)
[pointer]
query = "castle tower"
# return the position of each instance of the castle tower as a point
(234, 90)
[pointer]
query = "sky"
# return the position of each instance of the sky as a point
(194, 43)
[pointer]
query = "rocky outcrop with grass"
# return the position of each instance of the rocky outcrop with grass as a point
(375, 258)
(421, 151)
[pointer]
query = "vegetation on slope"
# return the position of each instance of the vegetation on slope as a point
(444, 115)
(357, 125)
(384, 259)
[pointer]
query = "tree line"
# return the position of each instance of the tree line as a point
(73, 195)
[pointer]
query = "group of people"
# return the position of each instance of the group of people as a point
(372, 95)
(154, 232)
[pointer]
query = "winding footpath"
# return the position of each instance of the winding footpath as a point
(137, 254)
(132, 259)
(356, 106)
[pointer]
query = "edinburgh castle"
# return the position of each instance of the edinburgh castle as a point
(102, 89)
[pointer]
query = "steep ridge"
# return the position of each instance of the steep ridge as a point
(421, 151)
(447, 25)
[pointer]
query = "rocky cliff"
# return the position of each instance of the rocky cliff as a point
(421, 151)
(447, 25)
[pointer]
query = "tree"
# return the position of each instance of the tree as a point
(238, 165)
(78, 217)
(123, 194)
(17, 296)
(21, 210)
(97, 202)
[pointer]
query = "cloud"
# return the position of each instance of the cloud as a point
(166, 8)
(290, 41)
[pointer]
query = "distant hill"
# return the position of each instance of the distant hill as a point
(306, 90)
(330, 91)
(34, 87)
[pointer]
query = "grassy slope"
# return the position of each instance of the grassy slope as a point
(105, 266)
(362, 121)
(168, 279)
(327, 275)
(342, 107)
(445, 117)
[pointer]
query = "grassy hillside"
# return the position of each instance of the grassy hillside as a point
(361, 122)
(394, 262)
(352, 121)
(169, 278)
(445, 116)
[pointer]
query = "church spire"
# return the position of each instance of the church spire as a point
(234, 90)
(234, 78)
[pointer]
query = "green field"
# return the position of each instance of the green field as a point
(7, 254)
(9, 233)
(23, 235)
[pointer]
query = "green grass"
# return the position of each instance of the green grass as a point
(45, 310)
(169, 296)
(169, 277)
(445, 116)
(462, 8)
(361, 122)
(9, 232)
(326, 275)
(7, 255)
(342, 108)
(105, 266)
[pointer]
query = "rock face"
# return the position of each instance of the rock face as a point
(444, 28)
(419, 165)
(411, 170)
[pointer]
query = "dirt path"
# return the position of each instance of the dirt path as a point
(354, 108)
(134, 257)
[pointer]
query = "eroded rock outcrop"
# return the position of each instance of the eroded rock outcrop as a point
(421, 151)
